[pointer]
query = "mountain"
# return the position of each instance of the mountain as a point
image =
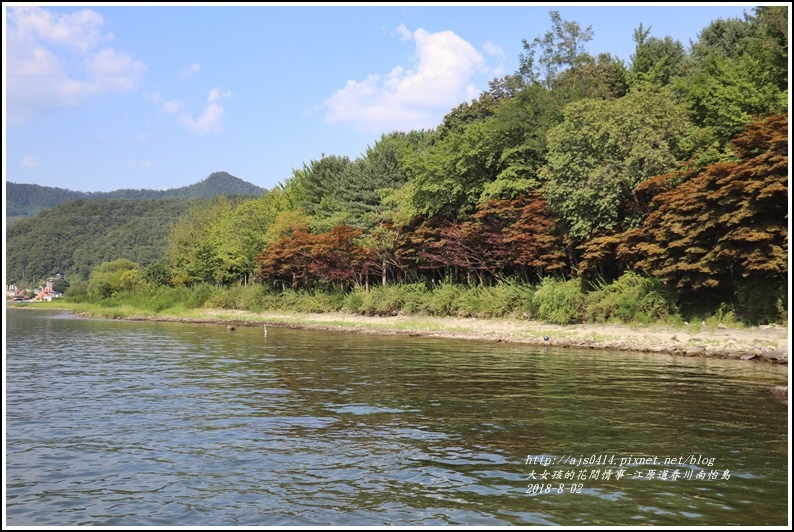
(76, 236)
(23, 200)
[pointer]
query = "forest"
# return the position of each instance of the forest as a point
(669, 170)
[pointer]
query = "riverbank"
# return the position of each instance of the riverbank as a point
(762, 344)
(767, 343)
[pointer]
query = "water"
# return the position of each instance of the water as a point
(116, 423)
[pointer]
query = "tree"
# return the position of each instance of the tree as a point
(603, 150)
(560, 48)
(322, 179)
(379, 169)
(739, 73)
(241, 233)
(113, 277)
(191, 252)
(725, 228)
(60, 285)
(656, 61)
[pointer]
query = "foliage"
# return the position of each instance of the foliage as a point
(113, 277)
(192, 253)
(603, 150)
(304, 259)
(657, 61)
(562, 47)
(739, 72)
(61, 285)
(724, 226)
(631, 298)
(77, 289)
(560, 301)
(75, 237)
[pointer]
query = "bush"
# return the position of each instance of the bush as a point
(560, 301)
(198, 295)
(631, 298)
(443, 300)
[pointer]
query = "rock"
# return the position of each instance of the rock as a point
(775, 354)
(749, 356)
(721, 325)
(230, 327)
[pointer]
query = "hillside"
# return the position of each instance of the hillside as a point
(74, 237)
(23, 200)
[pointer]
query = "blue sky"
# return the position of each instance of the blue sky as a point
(102, 97)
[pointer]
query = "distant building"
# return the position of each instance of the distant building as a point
(48, 292)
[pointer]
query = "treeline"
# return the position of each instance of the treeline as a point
(26, 200)
(669, 171)
(673, 166)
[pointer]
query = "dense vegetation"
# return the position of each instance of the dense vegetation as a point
(578, 188)
(26, 200)
(74, 238)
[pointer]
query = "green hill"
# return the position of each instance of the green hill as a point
(23, 200)
(74, 237)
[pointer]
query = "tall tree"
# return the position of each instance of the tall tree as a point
(725, 227)
(561, 48)
(603, 149)
(741, 77)
(656, 61)
(191, 252)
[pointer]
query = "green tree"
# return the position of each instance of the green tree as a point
(321, 180)
(60, 285)
(240, 233)
(191, 253)
(656, 61)
(603, 149)
(740, 77)
(113, 277)
(561, 48)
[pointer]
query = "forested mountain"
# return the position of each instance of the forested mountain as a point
(25, 200)
(74, 237)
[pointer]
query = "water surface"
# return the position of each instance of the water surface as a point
(142, 424)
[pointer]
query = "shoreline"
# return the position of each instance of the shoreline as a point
(766, 343)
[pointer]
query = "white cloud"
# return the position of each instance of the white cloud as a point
(193, 68)
(29, 162)
(412, 98)
(209, 122)
(57, 60)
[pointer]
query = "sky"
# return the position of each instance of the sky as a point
(100, 97)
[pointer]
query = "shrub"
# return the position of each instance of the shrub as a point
(631, 298)
(560, 301)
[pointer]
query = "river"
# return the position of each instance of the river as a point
(122, 423)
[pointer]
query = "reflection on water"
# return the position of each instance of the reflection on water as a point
(144, 424)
